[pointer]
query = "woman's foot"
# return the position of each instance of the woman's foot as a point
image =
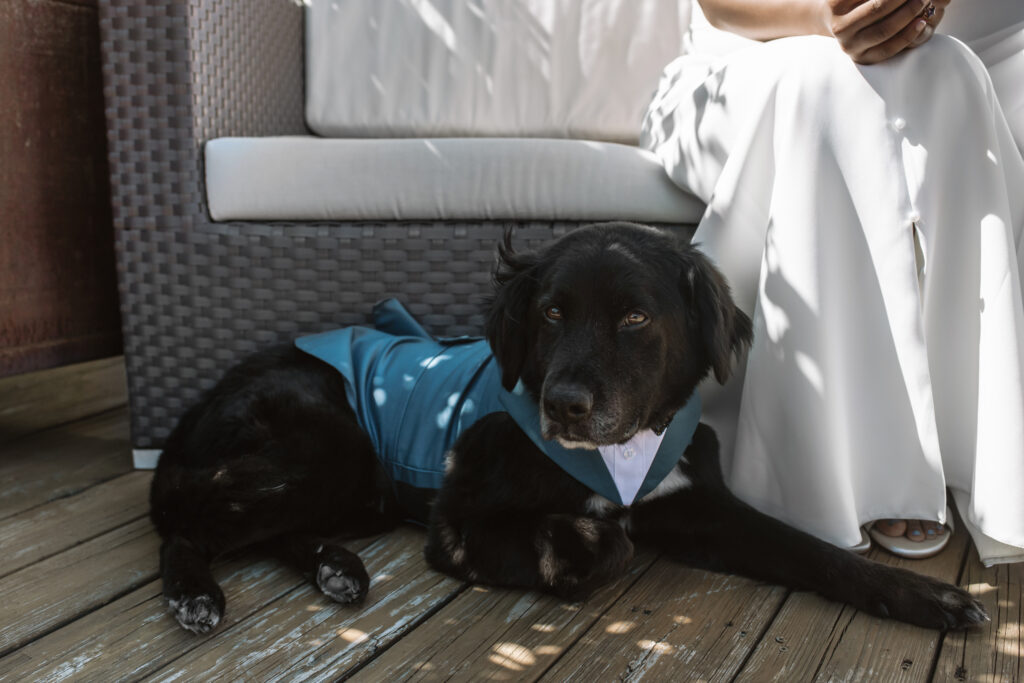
(912, 538)
(916, 530)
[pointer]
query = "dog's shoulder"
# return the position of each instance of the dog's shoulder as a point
(491, 444)
(495, 458)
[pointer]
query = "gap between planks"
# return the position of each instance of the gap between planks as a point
(46, 530)
(816, 639)
(993, 653)
(302, 634)
(135, 635)
(63, 461)
(659, 618)
(39, 400)
(488, 629)
(676, 623)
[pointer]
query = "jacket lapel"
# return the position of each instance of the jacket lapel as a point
(587, 466)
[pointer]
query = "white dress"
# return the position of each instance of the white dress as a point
(870, 220)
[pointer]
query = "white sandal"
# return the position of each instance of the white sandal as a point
(865, 542)
(914, 550)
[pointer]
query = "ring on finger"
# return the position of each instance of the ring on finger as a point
(929, 11)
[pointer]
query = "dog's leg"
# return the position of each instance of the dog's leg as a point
(241, 471)
(250, 501)
(726, 535)
(262, 500)
(335, 570)
(508, 516)
(705, 526)
(189, 588)
(567, 555)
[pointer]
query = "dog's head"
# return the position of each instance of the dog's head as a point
(611, 329)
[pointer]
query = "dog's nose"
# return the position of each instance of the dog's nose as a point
(568, 403)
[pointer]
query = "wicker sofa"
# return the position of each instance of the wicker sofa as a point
(197, 294)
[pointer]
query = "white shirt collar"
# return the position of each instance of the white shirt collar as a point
(629, 462)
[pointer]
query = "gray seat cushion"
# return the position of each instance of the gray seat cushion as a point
(310, 178)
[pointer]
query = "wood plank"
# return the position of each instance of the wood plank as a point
(60, 462)
(677, 624)
(136, 635)
(53, 527)
(995, 651)
(47, 398)
(817, 639)
(47, 594)
(490, 633)
(305, 635)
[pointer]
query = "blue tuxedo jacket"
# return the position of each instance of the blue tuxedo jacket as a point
(415, 395)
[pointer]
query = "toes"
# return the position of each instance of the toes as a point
(914, 531)
(198, 613)
(892, 527)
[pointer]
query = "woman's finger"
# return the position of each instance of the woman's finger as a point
(882, 31)
(929, 31)
(869, 12)
(898, 43)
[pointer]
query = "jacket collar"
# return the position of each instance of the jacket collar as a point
(587, 466)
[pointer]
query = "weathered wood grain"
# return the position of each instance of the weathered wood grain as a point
(37, 400)
(303, 635)
(48, 593)
(815, 639)
(60, 462)
(135, 635)
(674, 624)
(495, 634)
(995, 652)
(48, 529)
(84, 607)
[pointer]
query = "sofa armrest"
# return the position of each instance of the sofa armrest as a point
(179, 72)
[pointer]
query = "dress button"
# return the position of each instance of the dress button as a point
(899, 123)
(914, 217)
(628, 452)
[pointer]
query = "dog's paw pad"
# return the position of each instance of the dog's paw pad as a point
(933, 604)
(961, 610)
(198, 613)
(340, 585)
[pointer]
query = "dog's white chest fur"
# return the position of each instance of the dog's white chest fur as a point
(629, 462)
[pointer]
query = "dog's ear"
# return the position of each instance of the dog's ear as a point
(724, 330)
(506, 328)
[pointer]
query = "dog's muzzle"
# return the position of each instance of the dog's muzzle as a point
(568, 404)
(569, 416)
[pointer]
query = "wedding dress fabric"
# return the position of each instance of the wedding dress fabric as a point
(870, 220)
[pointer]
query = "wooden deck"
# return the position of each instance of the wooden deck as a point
(80, 600)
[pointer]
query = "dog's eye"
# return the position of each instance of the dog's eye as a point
(553, 313)
(634, 319)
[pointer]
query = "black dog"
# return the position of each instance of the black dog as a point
(610, 330)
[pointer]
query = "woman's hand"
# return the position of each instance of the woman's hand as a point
(872, 31)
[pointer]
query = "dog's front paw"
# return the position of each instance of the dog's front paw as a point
(926, 602)
(341, 576)
(198, 613)
(579, 554)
